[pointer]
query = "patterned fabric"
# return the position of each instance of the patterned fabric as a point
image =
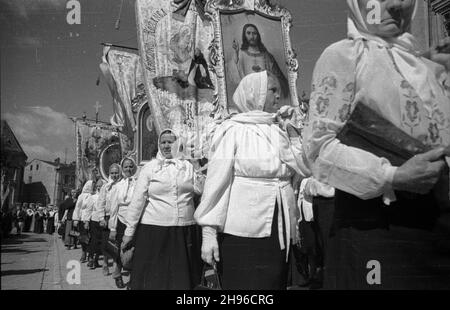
(124, 76)
(167, 46)
(92, 139)
(352, 71)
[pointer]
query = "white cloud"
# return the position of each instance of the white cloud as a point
(43, 133)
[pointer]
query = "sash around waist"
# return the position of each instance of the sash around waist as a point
(263, 181)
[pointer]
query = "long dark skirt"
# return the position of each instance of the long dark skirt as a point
(38, 225)
(315, 234)
(68, 239)
(120, 230)
(95, 243)
(253, 263)
(84, 238)
(105, 236)
(386, 247)
(166, 258)
(28, 223)
(50, 225)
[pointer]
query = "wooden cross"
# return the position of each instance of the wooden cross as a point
(97, 106)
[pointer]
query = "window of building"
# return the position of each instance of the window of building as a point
(31, 168)
(30, 179)
(37, 167)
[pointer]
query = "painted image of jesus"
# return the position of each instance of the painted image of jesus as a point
(253, 56)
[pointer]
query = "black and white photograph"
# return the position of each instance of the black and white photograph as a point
(225, 151)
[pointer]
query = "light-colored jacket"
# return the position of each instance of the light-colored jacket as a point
(246, 177)
(103, 205)
(164, 194)
(120, 200)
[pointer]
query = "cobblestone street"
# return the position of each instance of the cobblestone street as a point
(40, 262)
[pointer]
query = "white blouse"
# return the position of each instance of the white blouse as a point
(87, 207)
(80, 205)
(338, 84)
(245, 179)
(164, 194)
(103, 206)
(120, 200)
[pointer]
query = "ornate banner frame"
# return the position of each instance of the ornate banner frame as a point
(215, 9)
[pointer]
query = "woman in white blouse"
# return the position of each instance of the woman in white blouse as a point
(161, 219)
(385, 214)
(120, 200)
(82, 215)
(248, 194)
(100, 217)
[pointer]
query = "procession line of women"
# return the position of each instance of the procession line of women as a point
(366, 207)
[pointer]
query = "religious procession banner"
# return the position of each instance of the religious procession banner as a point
(174, 37)
(124, 77)
(98, 146)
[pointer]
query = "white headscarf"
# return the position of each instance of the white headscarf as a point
(251, 93)
(110, 181)
(250, 98)
(86, 192)
(356, 16)
(88, 187)
(121, 166)
(403, 49)
(177, 151)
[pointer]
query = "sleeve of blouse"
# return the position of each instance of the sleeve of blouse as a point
(114, 211)
(300, 157)
(89, 209)
(333, 97)
(199, 181)
(212, 210)
(78, 206)
(101, 202)
(138, 201)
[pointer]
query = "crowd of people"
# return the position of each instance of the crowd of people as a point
(273, 195)
(28, 217)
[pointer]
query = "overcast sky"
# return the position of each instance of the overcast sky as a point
(49, 68)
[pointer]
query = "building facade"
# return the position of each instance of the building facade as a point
(48, 182)
(13, 161)
(66, 181)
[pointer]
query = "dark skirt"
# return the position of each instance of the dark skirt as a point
(372, 246)
(253, 263)
(166, 258)
(105, 237)
(28, 223)
(39, 226)
(315, 234)
(84, 238)
(120, 230)
(99, 238)
(50, 225)
(68, 239)
(95, 242)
